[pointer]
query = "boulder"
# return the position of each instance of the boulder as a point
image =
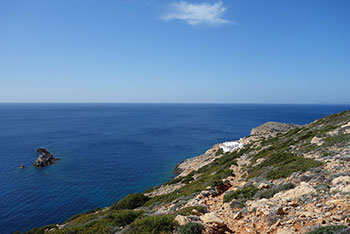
(211, 218)
(292, 194)
(284, 231)
(317, 141)
(341, 180)
(181, 220)
(45, 158)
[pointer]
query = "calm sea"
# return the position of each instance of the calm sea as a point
(110, 150)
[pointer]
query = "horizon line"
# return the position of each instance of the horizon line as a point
(217, 103)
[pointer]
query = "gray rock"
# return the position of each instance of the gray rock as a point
(45, 158)
(272, 128)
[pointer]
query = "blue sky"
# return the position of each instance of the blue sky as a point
(234, 51)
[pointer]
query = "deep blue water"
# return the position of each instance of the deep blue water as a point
(110, 150)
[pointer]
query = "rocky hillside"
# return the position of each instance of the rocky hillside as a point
(286, 179)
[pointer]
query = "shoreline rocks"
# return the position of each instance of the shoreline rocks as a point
(45, 158)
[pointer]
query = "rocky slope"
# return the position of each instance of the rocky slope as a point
(286, 179)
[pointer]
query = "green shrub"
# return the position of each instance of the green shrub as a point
(246, 193)
(191, 228)
(174, 181)
(219, 152)
(226, 173)
(131, 201)
(238, 203)
(188, 210)
(187, 179)
(40, 230)
(327, 230)
(124, 217)
(163, 224)
(281, 165)
(268, 193)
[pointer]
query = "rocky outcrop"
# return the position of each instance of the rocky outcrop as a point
(272, 129)
(186, 167)
(45, 158)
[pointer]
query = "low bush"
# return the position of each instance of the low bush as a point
(219, 152)
(328, 230)
(245, 193)
(268, 193)
(188, 210)
(131, 201)
(40, 230)
(238, 203)
(281, 165)
(162, 224)
(187, 179)
(191, 228)
(174, 181)
(124, 217)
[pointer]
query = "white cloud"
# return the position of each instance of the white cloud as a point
(196, 14)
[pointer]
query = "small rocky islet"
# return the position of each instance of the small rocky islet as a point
(285, 179)
(45, 158)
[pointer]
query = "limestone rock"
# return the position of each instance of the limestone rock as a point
(292, 194)
(341, 180)
(284, 231)
(182, 220)
(211, 218)
(317, 141)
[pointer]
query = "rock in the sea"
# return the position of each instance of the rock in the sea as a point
(22, 166)
(45, 158)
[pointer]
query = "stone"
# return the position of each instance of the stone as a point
(196, 212)
(211, 218)
(181, 220)
(238, 215)
(280, 211)
(292, 194)
(263, 185)
(341, 180)
(284, 231)
(45, 158)
(341, 188)
(317, 141)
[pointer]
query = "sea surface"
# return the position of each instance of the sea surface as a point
(110, 150)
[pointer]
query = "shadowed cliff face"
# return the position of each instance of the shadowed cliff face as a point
(286, 179)
(45, 158)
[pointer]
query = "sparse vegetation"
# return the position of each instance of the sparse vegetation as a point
(189, 210)
(268, 193)
(281, 165)
(219, 152)
(162, 224)
(191, 228)
(131, 201)
(328, 230)
(246, 193)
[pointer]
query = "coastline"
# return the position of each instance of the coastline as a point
(286, 179)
